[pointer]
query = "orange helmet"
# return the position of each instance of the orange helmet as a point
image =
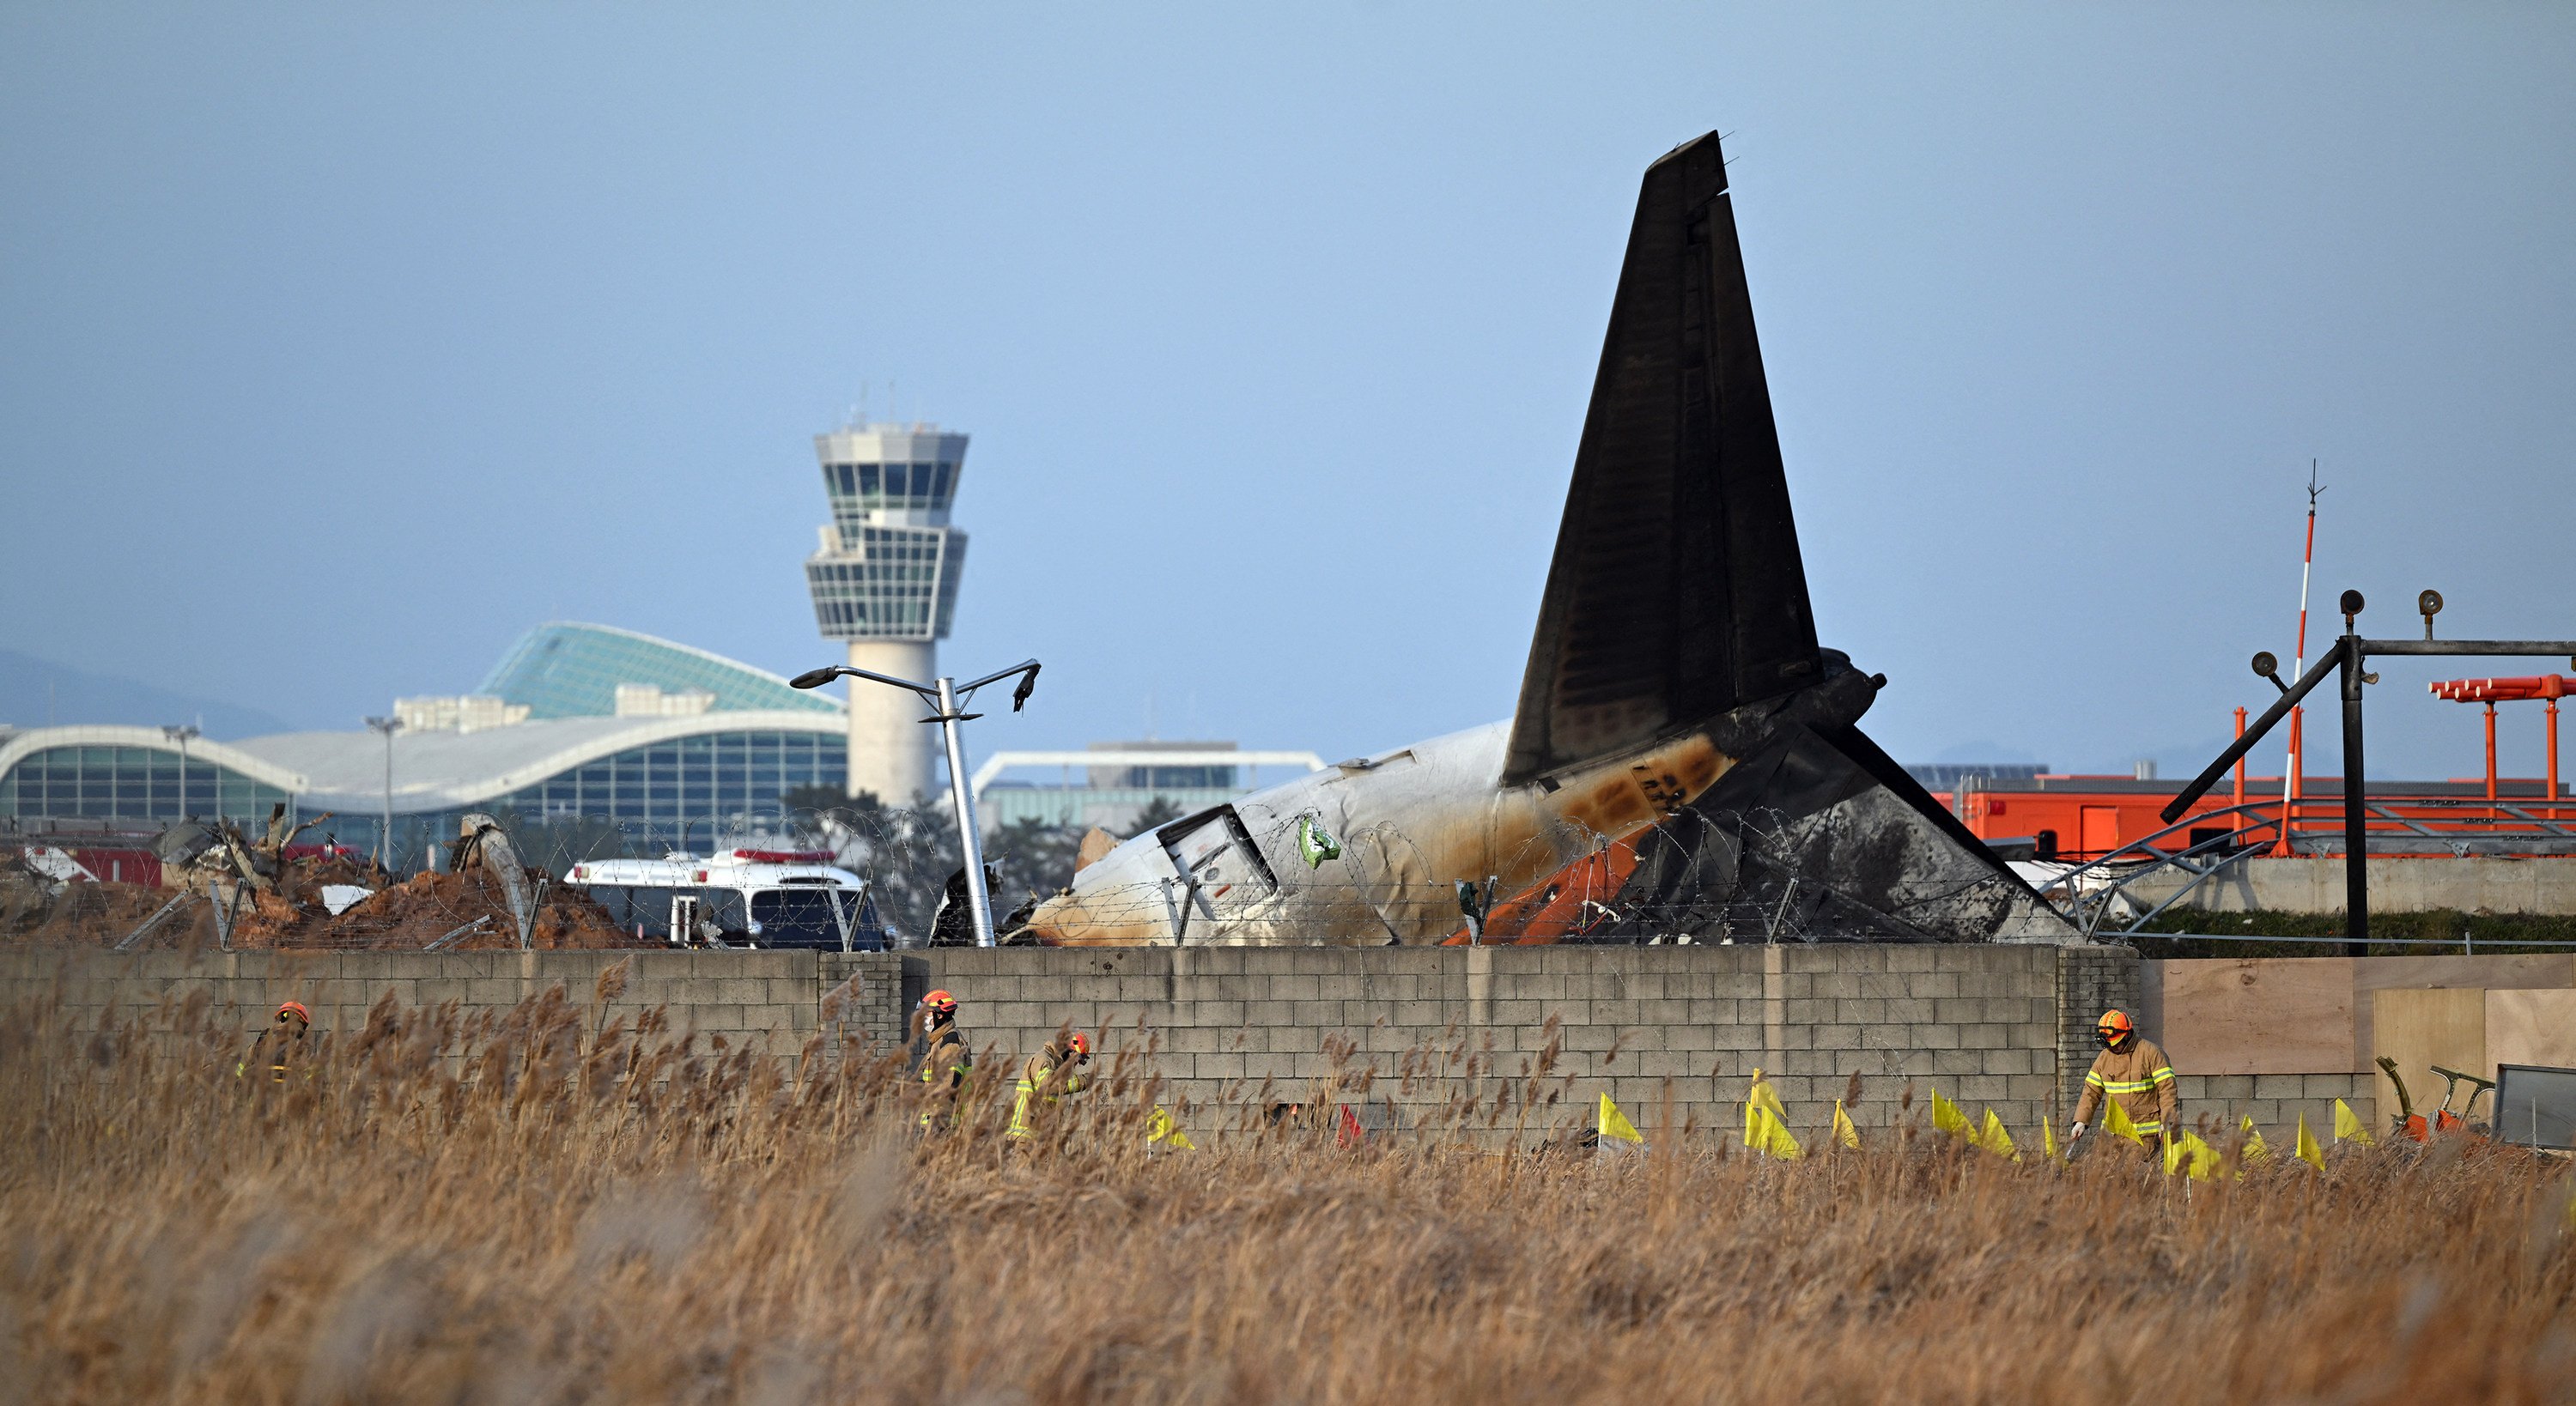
(295, 1009)
(939, 1003)
(1078, 1043)
(2114, 1027)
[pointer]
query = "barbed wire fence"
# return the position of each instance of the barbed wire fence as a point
(1759, 877)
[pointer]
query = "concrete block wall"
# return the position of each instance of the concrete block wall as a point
(2276, 1102)
(2090, 980)
(1979, 1023)
(2398, 884)
(863, 996)
(2006, 1027)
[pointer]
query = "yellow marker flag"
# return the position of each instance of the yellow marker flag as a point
(2190, 1155)
(1844, 1132)
(1947, 1117)
(1614, 1125)
(1759, 1099)
(1761, 1096)
(1771, 1136)
(2255, 1148)
(2349, 1127)
(2115, 1121)
(2048, 1140)
(1994, 1139)
(2307, 1148)
(1160, 1128)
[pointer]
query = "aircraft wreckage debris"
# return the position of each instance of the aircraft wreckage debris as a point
(1685, 763)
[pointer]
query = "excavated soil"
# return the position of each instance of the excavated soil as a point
(425, 908)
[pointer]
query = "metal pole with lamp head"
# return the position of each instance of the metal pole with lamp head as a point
(386, 727)
(948, 697)
(182, 734)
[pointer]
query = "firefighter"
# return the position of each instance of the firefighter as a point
(945, 1059)
(1053, 1072)
(2133, 1071)
(283, 1043)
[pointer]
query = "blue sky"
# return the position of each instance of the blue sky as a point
(344, 343)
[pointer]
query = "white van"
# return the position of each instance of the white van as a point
(737, 898)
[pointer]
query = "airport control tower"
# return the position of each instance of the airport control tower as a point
(886, 581)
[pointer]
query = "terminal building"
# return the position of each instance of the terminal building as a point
(1119, 781)
(673, 745)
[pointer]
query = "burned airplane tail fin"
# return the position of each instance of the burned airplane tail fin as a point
(1676, 592)
(1677, 600)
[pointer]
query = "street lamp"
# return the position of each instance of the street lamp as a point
(386, 727)
(947, 696)
(181, 734)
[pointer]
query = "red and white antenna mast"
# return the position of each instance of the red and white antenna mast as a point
(2291, 781)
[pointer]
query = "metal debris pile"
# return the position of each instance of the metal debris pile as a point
(195, 853)
(228, 890)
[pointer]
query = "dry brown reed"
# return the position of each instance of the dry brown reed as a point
(542, 1205)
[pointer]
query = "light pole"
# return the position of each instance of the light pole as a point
(386, 727)
(948, 696)
(182, 734)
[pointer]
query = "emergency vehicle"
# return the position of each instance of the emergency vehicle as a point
(737, 898)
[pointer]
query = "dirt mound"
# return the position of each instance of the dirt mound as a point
(314, 873)
(426, 907)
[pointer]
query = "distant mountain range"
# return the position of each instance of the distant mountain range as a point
(36, 691)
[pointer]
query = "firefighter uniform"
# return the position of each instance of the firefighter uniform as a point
(1050, 1074)
(945, 1062)
(279, 1050)
(2140, 1079)
(281, 1046)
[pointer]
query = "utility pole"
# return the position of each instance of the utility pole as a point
(386, 728)
(2356, 819)
(948, 697)
(182, 734)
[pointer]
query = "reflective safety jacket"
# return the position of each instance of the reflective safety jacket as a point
(277, 1049)
(1049, 1074)
(2140, 1078)
(944, 1065)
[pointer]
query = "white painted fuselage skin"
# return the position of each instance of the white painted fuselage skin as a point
(1408, 825)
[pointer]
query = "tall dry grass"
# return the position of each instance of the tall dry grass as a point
(545, 1206)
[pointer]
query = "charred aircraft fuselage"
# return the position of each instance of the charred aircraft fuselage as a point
(1699, 836)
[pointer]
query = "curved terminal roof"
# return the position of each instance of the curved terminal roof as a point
(567, 669)
(432, 771)
(18, 746)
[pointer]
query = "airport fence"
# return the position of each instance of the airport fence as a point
(1221, 875)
